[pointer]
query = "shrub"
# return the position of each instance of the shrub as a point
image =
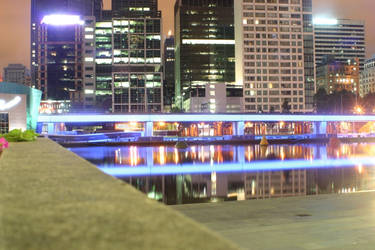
(16, 135)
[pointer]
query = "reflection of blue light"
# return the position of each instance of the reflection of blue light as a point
(82, 118)
(236, 167)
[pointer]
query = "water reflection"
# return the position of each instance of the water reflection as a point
(206, 173)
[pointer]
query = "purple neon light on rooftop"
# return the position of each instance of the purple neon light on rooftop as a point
(60, 19)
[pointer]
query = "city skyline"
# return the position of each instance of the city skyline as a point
(15, 44)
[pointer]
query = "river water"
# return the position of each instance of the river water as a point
(214, 173)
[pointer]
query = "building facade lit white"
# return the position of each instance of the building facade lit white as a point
(12, 112)
(214, 100)
(275, 54)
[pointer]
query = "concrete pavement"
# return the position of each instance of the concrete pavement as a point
(313, 222)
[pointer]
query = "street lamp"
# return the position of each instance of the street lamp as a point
(358, 110)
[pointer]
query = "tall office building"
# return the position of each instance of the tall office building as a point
(59, 59)
(123, 66)
(367, 78)
(41, 8)
(275, 55)
(16, 73)
(342, 38)
(205, 45)
(169, 64)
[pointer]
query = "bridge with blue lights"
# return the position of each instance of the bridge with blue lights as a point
(195, 125)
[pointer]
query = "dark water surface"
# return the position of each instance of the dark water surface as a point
(225, 172)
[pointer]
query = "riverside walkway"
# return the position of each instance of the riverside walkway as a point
(326, 222)
(52, 199)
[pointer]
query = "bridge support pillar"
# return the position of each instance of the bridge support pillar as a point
(149, 128)
(320, 128)
(238, 128)
(150, 157)
(51, 128)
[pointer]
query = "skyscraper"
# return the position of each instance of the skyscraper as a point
(274, 54)
(342, 38)
(169, 61)
(123, 60)
(59, 61)
(205, 45)
(41, 8)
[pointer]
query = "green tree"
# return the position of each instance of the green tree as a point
(368, 103)
(321, 101)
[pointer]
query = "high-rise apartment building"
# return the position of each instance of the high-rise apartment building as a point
(275, 54)
(205, 46)
(41, 8)
(16, 73)
(123, 66)
(342, 38)
(367, 78)
(169, 68)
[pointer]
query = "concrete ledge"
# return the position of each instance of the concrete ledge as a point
(52, 199)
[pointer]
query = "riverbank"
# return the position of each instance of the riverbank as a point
(312, 222)
(52, 199)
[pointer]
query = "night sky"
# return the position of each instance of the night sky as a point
(15, 18)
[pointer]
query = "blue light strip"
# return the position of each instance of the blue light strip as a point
(203, 118)
(236, 167)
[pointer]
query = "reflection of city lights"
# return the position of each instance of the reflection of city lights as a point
(176, 157)
(249, 154)
(162, 157)
(212, 152)
(193, 168)
(202, 154)
(134, 159)
(282, 154)
(213, 183)
(360, 169)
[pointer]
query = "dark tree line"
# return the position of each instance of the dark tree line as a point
(342, 102)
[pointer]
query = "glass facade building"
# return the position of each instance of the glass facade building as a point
(276, 54)
(123, 62)
(41, 8)
(59, 61)
(205, 48)
(169, 64)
